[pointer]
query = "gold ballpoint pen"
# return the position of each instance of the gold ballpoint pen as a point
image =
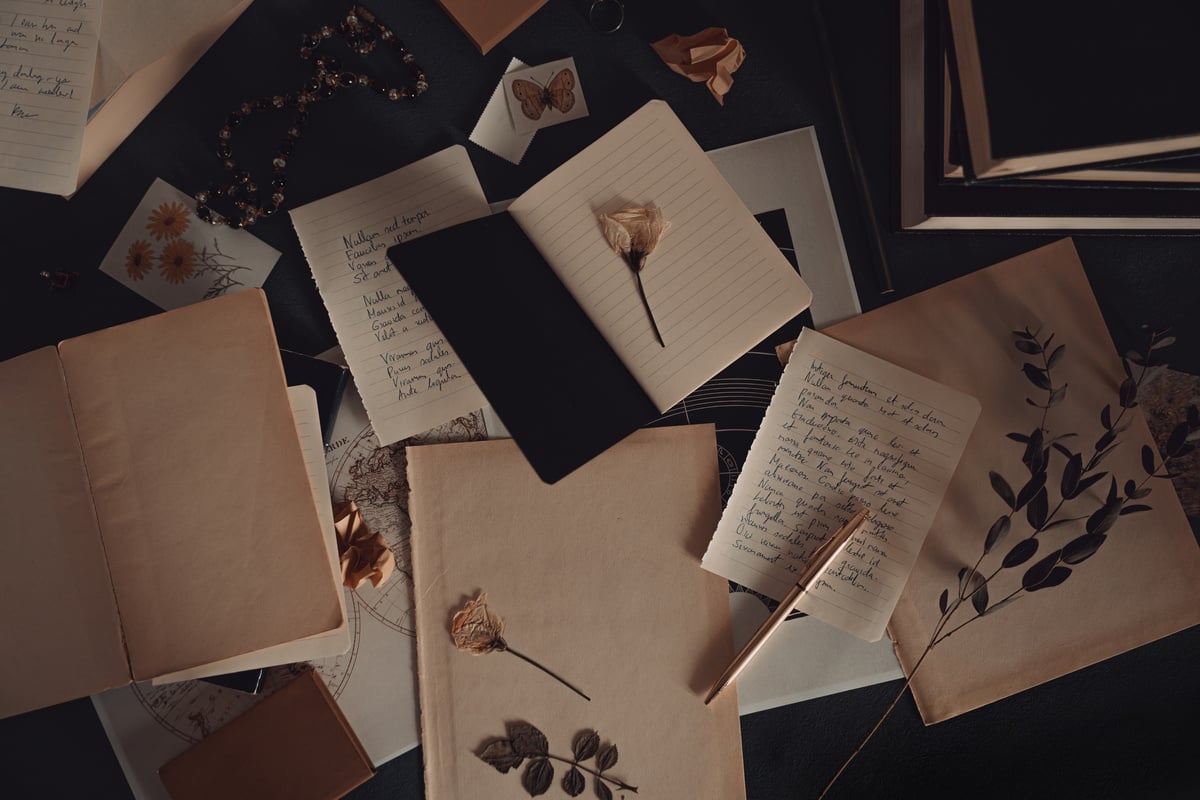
(817, 564)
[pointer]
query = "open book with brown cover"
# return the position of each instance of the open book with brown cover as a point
(158, 511)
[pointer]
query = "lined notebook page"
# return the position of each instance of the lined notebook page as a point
(409, 377)
(716, 284)
(47, 60)
(844, 430)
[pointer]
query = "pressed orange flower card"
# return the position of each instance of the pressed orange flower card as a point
(172, 258)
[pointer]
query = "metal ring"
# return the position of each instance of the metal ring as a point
(606, 16)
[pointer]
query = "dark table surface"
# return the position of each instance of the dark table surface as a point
(1123, 728)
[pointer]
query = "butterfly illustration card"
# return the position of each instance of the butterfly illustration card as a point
(545, 95)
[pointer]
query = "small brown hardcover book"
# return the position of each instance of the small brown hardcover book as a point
(295, 744)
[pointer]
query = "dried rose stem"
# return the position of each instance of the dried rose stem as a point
(620, 784)
(634, 258)
(558, 678)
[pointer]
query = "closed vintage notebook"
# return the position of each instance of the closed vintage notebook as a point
(1142, 585)
(598, 578)
(296, 744)
(184, 531)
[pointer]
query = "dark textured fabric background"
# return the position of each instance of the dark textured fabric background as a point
(1124, 728)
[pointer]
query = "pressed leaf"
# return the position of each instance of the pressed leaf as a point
(996, 534)
(1056, 356)
(527, 740)
(1059, 522)
(1046, 344)
(1036, 376)
(1071, 474)
(1031, 402)
(1106, 417)
(1130, 487)
(1038, 508)
(962, 581)
(607, 757)
(1018, 437)
(1082, 548)
(1134, 509)
(573, 782)
(586, 744)
(1103, 454)
(1107, 438)
(1003, 489)
(602, 790)
(1028, 347)
(1039, 571)
(1166, 341)
(1062, 448)
(1103, 519)
(1057, 396)
(538, 777)
(1089, 482)
(1031, 488)
(1002, 604)
(1140, 493)
(499, 753)
(943, 600)
(1033, 447)
(1148, 459)
(1056, 576)
(1128, 393)
(1021, 552)
(979, 598)
(1025, 334)
(1151, 374)
(1112, 492)
(1193, 435)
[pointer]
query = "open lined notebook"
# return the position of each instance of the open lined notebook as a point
(547, 318)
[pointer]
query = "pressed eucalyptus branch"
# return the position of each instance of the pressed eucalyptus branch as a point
(1079, 473)
(527, 742)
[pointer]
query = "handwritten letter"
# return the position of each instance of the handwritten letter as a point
(843, 430)
(409, 378)
(47, 60)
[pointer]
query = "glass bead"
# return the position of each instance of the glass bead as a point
(279, 163)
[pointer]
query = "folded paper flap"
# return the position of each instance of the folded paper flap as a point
(600, 583)
(710, 55)
(1137, 589)
(545, 369)
(195, 466)
(62, 642)
(295, 744)
(486, 22)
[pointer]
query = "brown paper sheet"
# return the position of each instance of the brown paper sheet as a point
(1142, 585)
(212, 537)
(597, 577)
(58, 620)
(486, 22)
(711, 56)
(296, 744)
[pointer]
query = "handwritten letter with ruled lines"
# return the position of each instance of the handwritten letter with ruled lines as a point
(717, 284)
(47, 61)
(409, 378)
(843, 430)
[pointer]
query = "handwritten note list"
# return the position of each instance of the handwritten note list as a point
(844, 430)
(47, 61)
(409, 377)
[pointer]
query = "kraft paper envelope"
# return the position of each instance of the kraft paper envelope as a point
(598, 578)
(187, 525)
(1143, 584)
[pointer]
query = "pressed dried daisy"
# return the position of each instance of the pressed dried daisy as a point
(479, 630)
(168, 221)
(634, 233)
(177, 261)
(139, 260)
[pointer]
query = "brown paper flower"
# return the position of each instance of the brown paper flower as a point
(634, 233)
(478, 630)
(364, 555)
(711, 56)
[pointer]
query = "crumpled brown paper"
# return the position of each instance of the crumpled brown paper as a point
(710, 55)
(364, 555)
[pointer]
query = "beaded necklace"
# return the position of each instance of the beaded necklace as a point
(362, 31)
